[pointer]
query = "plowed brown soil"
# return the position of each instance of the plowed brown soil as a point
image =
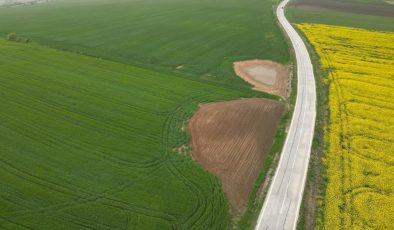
(265, 75)
(231, 140)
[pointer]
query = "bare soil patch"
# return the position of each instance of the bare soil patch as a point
(231, 140)
(265, 75)
(370, 9)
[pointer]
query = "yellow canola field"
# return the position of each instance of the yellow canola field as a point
(359, 138)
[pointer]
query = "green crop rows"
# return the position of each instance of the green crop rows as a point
(89, 142)
(203, 36)
(93, 109)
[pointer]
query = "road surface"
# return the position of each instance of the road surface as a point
(282, 204)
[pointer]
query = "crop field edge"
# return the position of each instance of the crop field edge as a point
(163, 70)
(159, 69)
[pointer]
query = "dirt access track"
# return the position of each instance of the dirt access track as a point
(265, 75)
(231, 139)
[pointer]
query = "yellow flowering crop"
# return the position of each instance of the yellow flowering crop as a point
(360, 135)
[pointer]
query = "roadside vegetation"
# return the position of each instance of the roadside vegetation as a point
(315, 184)
(358, 138)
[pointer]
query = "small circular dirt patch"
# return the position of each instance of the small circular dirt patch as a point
(265, 75)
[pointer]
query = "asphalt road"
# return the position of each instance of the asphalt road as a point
(282, 204)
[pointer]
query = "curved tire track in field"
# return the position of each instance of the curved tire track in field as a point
(82, 196)
(167, 149)
(88, 197)
(171, 126)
